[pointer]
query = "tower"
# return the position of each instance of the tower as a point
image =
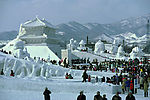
(147, 46)
(148, 32)
(87, 40)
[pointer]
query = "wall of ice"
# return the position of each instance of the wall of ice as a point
(33, 68)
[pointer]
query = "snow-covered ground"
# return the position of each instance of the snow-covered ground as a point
(62, 89)
(30, 86)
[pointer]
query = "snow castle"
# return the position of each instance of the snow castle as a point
(33, 34)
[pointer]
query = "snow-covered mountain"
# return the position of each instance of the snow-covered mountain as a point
(105, 37)
(135, 25)
(132, 38)
(9, 35)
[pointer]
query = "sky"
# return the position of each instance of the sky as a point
(15, 12)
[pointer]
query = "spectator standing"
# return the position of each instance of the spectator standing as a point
(2, 73)
(84, 76)
(98, 96)
(116, 97)
(81, 96)
(146, 85)
(127, 85)
(12, 73)
(123, 87)
(130, 96)
(104, 97)
(47, 94)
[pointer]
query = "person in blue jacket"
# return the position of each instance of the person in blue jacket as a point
(127, 85)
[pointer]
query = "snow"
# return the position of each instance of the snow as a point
(82, 42)
(31, 84)
(114, 49)
(120, 53)
(99, 47)
(35, 50)
(37, 22)
(42, 52)
(124, 22)
(105, 37)
(72, 45)
(87, 55)
(60, 33)
(136, 53)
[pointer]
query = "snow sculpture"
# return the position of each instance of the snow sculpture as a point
(31, 69)
(38, 60)
(72, 45)
(99, 47)
(19, 51)
(19, 45)
(118, 40)
(114, 49)
(26, 52)
(81, 46)
(136, 53)
(115, 43)
(120, 52)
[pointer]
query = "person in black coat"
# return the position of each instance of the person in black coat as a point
(98, 96)
(84, 76)
(81, 96)
(2, 73)
(104, 97)
(47, 94)
(130, 96)
(116, 97)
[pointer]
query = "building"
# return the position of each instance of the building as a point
(35, 31)
(38, 37)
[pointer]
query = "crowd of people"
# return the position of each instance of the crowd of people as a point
(128, 74)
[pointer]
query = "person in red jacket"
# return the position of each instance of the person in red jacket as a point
(89, 78)
(66, 76)
(12, 73)
(131, 86)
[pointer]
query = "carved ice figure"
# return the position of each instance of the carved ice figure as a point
(136, 53)
(19, 51)
(38, 60)
(43, 70)
(26, 53)
(120, 52)
(47, 74)
(99, 47)
(19, 45)
(114, 49)
(72, 44)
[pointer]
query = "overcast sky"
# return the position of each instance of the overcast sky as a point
(15, 12)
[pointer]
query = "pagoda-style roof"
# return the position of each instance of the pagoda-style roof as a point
(37, 22)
